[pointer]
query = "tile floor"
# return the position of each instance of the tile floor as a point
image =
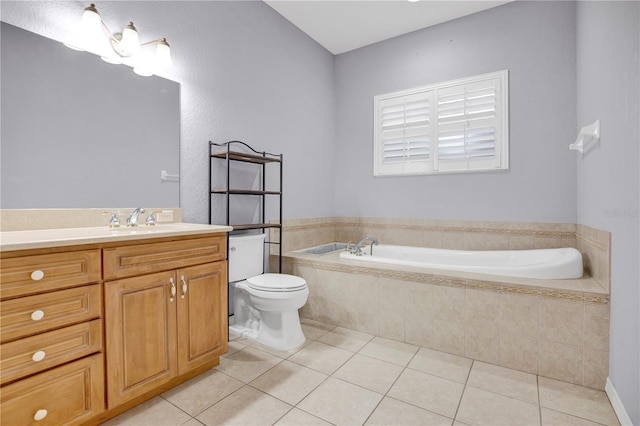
(345, 377)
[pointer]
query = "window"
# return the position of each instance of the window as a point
(452, 127)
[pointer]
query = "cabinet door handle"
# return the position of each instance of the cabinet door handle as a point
(184, 286)
(37, 275)
(173, 289)
(40, 414)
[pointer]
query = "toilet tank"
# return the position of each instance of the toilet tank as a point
(246, 256)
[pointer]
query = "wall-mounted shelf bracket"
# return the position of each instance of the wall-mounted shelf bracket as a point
(588, 136)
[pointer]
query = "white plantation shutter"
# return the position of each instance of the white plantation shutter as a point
(468, 127)
(457, 126)
(405, 133)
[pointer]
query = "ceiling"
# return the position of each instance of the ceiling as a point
(341, 26)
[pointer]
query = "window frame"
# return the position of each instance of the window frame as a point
(434, 164)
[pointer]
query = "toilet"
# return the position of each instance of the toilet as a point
(265, 305)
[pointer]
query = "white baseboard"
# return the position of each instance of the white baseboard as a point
(623, 417)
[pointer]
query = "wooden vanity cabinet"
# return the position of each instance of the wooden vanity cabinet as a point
(163, 324)
(88, 332)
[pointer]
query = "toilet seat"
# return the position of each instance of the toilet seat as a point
(276, 283)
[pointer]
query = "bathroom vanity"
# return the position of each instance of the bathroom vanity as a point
(92, 325)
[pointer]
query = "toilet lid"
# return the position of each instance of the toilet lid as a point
(276, 282)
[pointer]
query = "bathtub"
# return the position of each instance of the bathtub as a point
(559, 263)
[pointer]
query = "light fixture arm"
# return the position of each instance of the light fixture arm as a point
(162, 40)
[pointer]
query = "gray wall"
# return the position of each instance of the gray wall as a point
(608, 76)
(536, 43)
(245, 73)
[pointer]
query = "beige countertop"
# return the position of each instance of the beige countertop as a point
(46, 238)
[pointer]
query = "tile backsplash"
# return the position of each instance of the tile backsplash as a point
(31, 219)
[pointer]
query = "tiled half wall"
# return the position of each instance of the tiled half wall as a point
(557, 333)
(594, 244)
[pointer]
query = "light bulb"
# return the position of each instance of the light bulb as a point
(91, 36)
(91, 23)
(129, 43)
(163, 54)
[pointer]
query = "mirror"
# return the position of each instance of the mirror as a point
(78, 132)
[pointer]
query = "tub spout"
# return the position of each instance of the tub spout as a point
(358, 250)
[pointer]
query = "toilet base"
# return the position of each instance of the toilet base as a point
(280, 331)
(244, 332)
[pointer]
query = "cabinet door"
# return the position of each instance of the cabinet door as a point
(202, 314)
(140, 329)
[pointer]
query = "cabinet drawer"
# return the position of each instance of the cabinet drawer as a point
(127, 261)
(34, 314)
(34, 354)
(36, 274)
(66, 395)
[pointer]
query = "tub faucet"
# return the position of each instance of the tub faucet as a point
(133, 219)
(358, 250)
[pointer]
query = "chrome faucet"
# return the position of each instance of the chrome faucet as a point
(358, 250)
(114, 221)
(133, 219)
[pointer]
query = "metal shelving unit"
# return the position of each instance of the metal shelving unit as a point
(233, 151)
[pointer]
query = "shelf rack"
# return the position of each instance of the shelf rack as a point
(233, 151)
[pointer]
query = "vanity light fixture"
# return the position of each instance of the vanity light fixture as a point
(121, 48)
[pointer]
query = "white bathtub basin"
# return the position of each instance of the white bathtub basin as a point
(560, 263)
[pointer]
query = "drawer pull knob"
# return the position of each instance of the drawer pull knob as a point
(37, 315)
(40, 414)
(38, 356)
(37, 275)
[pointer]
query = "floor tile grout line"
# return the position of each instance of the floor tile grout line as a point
(179, 408)
(501, 394)
(275, 397)
(464, 389)
(573, 415)
(386, 394)
(319, 384)
(539, 404)
(221, 399)
(328, 375)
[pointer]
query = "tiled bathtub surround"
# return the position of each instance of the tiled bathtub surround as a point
(559, 329)
(464, 235)
(595, 246)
